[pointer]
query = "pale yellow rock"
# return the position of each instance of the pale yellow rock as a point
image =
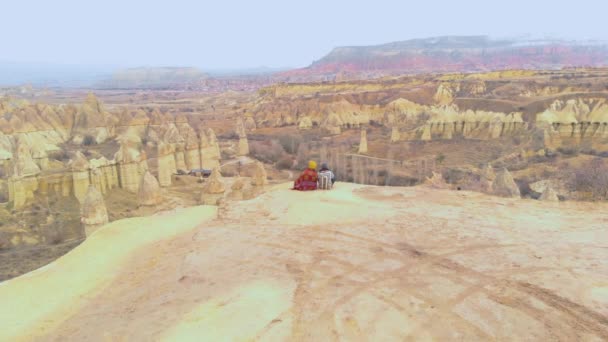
(24, 164)
(243, 148)
(166, 164)
(504, 185)
(426, 133)
(93, 212)
(149, 191)
(210, 150)
(436, 181)
(305, 123)
(363, 142)
(549, 195)
(21, 190)
(395, 134)
(128, 160)
(443, 95)
(213, 189)
(180, 158)
(192, 153)
(214, 184)
(259, 175)
(80, 168)
(237, 187)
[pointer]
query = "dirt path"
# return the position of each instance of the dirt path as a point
(365, 263)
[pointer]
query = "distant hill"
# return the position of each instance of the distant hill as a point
(449, 54)
(156, 77)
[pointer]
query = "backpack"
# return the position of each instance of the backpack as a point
(325, 181)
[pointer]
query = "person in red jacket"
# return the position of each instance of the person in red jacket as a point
(308, 178)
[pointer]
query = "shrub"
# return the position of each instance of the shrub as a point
(62, 156)
(524, 188)
(568, 151)
(591, 179)
(284, 163)
(55, 235)
(290, 143)
(88, 140)
(269, 151)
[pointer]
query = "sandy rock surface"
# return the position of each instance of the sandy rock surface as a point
(353, 263)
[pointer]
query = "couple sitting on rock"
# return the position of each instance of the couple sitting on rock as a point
(310, 180)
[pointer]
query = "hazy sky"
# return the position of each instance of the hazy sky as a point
(241, 34)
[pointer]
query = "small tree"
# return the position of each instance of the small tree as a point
(440, 158)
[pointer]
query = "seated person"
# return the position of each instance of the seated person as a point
(308, 178)
(326, 177)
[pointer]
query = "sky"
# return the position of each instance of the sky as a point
(229, 34)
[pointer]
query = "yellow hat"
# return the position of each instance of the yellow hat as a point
(312, 164)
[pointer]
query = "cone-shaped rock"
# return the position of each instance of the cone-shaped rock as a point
(93, 213)
(259, 175)
(214, 189)
(215, 183)
(149, 191)
(504, 185)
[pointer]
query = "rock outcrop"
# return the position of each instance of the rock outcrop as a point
(210, 149)
(436, 181)
(305, 123)
(92, 123)
(259, 175)
(213, 189)
(575, 121)
(363, 142)
(130, 163)
(486, 179)
(237, 189)
(549, 195)
(395, 134)
(93, 213)
(166, 164)
(443, 95)
(79, 166)
(243, 148)
(504, 185)
(149, 191)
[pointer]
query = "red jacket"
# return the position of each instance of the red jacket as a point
(306, 181)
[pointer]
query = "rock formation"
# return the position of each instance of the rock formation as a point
(436, 181)
(166, 164)
(249, 122)
(213, 189)
(486, 179)
(443, 95)
(192, 152)
(504, 185)
(129, 164)
(574, 122)
(305, 123)
(149, 191)
(93, 213)
(210, 150)
(363, 142)
(237, 187)
(259, 176)
(79, 166)
(549, 195)
(24, 165)
(91, 122)
(243, 149)
(395, 134)
(180, 158)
